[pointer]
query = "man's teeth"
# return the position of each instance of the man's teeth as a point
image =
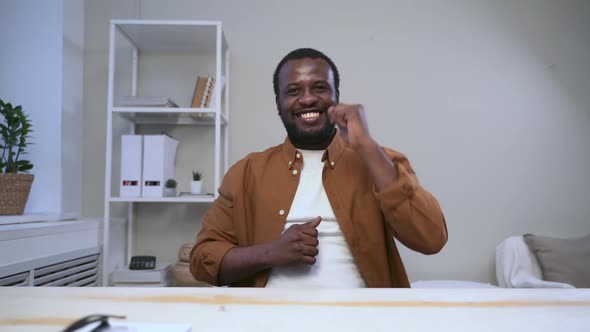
(310, 115)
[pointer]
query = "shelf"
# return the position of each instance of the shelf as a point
(169, 115)
(184, 199)
(172, 54)
(163, 36)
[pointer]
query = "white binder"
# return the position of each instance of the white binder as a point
(131, 160)
(159, 156)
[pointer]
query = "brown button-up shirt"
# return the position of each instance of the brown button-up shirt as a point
(256, 195)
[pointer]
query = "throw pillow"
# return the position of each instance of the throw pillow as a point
(562, 260)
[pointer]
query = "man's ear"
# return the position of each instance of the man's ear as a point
(337, 96)
(277, 104)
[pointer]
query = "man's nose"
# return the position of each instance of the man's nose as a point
(308, 98)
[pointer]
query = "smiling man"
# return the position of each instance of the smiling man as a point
(323, 208)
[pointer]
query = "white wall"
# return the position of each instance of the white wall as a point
(73, 108)
(97, 19)
(489, 101)
(31, 34)
(42, 70)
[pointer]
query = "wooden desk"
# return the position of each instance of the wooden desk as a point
(223, 309)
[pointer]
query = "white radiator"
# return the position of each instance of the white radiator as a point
(76, 268)
(49, 253)
(19, 279)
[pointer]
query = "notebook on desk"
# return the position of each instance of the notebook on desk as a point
(138, 327)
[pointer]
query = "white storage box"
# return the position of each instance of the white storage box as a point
(131, 160)
(159, 155)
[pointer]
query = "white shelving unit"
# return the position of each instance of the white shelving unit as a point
(166, 44)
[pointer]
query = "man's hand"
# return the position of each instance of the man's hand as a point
(353, 129)
(297, 245)
(352, 124)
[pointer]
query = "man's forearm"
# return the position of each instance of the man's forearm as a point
(242, 262)
(381, 168)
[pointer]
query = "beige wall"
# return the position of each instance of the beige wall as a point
(488, 99)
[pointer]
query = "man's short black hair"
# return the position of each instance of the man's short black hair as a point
(303, 53)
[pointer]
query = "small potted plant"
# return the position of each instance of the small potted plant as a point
(170, 188)
(15, 185)
(196, 183)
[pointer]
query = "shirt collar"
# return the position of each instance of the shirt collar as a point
(332, 154)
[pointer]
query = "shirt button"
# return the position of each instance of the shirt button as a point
(282, 212)
(290, 163)
(298, 156)
(294, 172)
(332, 163)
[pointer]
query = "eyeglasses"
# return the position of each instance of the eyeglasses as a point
(102, 327)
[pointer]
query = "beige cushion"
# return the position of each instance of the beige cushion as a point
(562, 260)
(184, 253)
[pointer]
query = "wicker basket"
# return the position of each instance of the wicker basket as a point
(14, 192)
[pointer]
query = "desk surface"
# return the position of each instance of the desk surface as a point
(224, 309)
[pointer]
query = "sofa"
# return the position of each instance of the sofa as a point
(534, 261)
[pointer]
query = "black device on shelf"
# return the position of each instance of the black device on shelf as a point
(142, 263)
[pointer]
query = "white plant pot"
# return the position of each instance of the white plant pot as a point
(169, 192)
(196, 187)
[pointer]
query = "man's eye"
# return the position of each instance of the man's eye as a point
(292, 92)
(320, 88)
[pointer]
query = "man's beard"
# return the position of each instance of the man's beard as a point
(301, 138)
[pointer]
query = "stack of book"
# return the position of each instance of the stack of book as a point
(158, 277)
(189, 194)
(203, 92)
(204, 96)
(145, 101)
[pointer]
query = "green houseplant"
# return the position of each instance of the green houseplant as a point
(15, 184)
(196, 183)
(170, 188)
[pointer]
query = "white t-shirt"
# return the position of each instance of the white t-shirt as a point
(334, 266)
